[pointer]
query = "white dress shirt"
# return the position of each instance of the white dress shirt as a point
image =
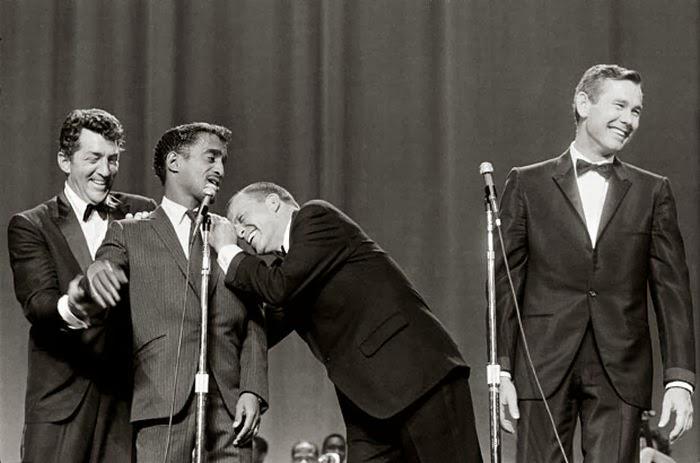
(94, 231)
(177, 214)
(592, 189)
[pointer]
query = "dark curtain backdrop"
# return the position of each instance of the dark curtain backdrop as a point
(385, 108)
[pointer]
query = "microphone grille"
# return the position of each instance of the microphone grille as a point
(485, 168)
(210, 190)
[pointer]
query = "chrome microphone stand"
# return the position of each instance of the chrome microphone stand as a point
(201, 383)
(493, 369)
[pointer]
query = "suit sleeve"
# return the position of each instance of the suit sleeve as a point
(254, 356)
(513, 215)
(35, 274)
(319, 244)
(113, 248)
(669, 286)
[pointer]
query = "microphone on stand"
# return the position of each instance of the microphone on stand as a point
(209, 193)
(486, 169)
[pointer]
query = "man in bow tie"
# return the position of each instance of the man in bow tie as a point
(76, 406)
(585, 236)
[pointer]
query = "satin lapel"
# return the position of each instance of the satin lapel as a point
(565, 177)
(165, 231)
(68, 223)
(617, 189)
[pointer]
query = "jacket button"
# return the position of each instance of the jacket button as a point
(592, 293)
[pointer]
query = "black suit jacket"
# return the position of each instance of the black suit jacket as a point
(357, 311)
(149, 253)
(563, 284)
(47, 250)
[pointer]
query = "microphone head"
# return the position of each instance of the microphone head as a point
(485, 168)
(210, 190)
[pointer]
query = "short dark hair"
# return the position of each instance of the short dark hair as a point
(259, 444)
(183, 136)
(331, 436)
(260, 191)
(93, 119)
(595, 75)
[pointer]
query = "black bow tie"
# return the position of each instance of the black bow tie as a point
(103, 209)
(582, 167)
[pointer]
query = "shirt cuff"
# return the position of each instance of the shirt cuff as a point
(71, 320)
(226, 255)
(682, 384)
(506, 374)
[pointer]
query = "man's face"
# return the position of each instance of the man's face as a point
(304, 453)
(204, 163)
(337, 445)
(258, 222)
(92, 168)
(610, 122)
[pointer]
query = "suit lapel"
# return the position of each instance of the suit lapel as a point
(565, 178)
(617, 189)
(68, 224)
(165, 231)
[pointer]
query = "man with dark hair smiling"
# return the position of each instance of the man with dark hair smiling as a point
(585, 236)
(77, 397)
(155, 255)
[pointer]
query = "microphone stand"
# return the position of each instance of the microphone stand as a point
(493, 369)
(201, 384)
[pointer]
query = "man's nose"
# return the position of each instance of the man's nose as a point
(219, 167)
(103, 166)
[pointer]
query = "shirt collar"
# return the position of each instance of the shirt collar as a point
(175, 212)
(285, 243)
(576, 154)
(77, 203)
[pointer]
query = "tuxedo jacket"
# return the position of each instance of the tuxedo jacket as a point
(354, 307)
(564, 284)
(47, 250)
(149, 252)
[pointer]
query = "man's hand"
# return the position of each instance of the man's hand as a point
(678, 400)
(247, 418)
(140, 215)
(79, 302)
(105, 282)
(222, 232)
(509, 398)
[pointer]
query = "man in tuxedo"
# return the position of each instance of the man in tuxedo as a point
(401, 382)
(76, 406)
(585, 236)
(160, 258)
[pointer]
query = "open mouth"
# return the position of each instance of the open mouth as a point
(216, 181)
(622, 133)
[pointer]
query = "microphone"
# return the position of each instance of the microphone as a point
(486, 169)
(209, 192)
(330, 457)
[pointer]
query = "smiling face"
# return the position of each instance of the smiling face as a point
(608, 123)
(92, 167)
(194, 167)
(260, 222)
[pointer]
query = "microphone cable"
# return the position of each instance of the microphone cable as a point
(179, 346)
(526, 347)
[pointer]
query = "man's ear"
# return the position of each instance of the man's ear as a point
(63, 162)
(273, 202)
(583, 104)
(172, 161)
